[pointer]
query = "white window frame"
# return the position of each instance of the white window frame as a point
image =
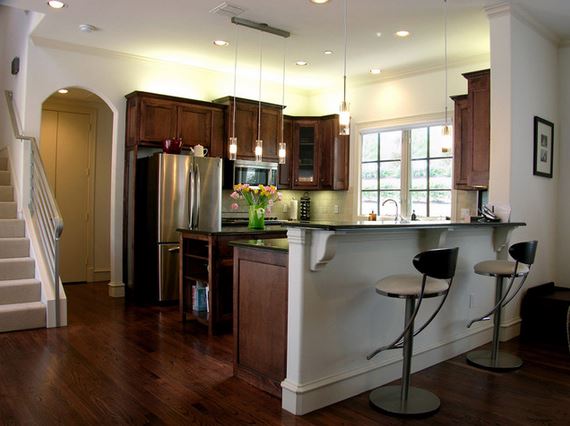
(385, 126)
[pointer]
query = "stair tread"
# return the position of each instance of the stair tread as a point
(17, 259)
(21, 306)
(18, 282)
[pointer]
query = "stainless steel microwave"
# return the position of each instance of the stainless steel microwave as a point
(252, 172)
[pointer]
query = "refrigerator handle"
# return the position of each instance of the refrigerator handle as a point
(198, 195)
(191, 196)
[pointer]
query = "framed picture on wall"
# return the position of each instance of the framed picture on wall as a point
(543, 147)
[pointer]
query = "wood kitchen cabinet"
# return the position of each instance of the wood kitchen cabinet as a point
(207, 258)
(246, 126)
(319, 156)
(151, 118)
(472, 133)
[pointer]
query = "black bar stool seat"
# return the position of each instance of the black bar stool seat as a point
(523, 255)
(437, 268)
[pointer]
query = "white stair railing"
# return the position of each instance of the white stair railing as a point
(45, 214)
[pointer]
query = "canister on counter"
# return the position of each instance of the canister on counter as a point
(305, 207)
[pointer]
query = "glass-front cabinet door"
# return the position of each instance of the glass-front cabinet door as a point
(305, 160)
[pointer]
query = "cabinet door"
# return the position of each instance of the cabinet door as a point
(480, 104)
(285, 169)
(461, 142)
(306, 157)
(158, 120)
(334, 155)
(246, 129)
(270, 133)
(195, 125)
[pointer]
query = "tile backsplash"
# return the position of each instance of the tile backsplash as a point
(324, 205)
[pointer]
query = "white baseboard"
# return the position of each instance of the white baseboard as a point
(116, 289)
(304, 398)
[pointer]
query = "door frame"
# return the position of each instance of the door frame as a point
(80, 107)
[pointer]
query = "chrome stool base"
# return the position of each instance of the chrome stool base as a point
(388, 399)
(503, 361)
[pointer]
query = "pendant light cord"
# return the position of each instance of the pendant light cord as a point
(445, 44)
(345, 32)
(235, 82)
(283, 92)
(260, 75)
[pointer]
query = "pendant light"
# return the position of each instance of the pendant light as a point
(282, 145)
(446, 132)
(258, 150)
(344, 113)
(232, 145)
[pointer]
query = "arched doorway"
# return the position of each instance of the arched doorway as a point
(76, 148)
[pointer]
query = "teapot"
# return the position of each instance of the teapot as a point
(199, 151)
(172, 145)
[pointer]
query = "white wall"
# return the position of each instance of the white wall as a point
(562, 138)
(524, 75)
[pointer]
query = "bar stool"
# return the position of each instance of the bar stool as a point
(437, 268)
(523, 254)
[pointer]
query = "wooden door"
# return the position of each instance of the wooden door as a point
(461, 142)
(195, 125)
(65, 147)
(158, 120)
(270, 133)
(305, 154)
(480, 104)
(246, 129)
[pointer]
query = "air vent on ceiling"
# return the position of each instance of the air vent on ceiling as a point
(227, 9)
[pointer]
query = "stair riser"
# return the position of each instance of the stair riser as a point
(16, 269)
(8, 210)
(20, 293)
(12, 229)
(12, 247)
(23, 319)
(6, 193)
(4, 177)
(3, 163)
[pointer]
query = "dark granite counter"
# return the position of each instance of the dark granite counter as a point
(235, 230)
(274, 244)
(391, 225)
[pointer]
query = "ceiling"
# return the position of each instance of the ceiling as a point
(182, 31)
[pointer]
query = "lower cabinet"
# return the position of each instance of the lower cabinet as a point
(206, 262)
(260, 325)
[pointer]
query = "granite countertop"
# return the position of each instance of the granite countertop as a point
(388, 225)
(235, 230)
(275, 244)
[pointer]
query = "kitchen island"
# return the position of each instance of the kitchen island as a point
(335, 318)
(206, 262)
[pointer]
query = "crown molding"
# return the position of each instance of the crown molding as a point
(506, 8)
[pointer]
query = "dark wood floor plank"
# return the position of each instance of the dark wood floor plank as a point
(118, 363)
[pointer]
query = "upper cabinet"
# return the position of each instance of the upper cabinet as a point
(151, 118)
(472, 133)
(246, 126)
(318, 157)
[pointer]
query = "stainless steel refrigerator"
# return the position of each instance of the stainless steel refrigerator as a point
(172, 191)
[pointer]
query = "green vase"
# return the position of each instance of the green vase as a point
(256, 217)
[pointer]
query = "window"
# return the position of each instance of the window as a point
(408, 166)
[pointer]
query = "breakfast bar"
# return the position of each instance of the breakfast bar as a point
(334, 319)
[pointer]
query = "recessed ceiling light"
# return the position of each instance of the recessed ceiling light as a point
(63, 91)
(87, 28)
(301, 63)
(375, 71)
(221, 43)
(328, 52)
(378, 34)
(402, 33)
(56, 4)
(319, 1)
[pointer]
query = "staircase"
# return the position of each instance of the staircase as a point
(20, 293)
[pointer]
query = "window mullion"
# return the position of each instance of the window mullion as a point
(405, 167)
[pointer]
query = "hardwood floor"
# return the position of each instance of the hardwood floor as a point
(117, 364)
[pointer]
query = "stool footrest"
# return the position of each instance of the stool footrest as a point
(419, 403)
(503, 362)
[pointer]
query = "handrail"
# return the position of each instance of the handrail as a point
(42, 205)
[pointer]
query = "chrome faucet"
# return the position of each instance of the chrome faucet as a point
(396, 204)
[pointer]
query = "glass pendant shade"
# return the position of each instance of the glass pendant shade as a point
(258, 150)
(232, 149)
(282, 152)
(344, 119)
(446, 133)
